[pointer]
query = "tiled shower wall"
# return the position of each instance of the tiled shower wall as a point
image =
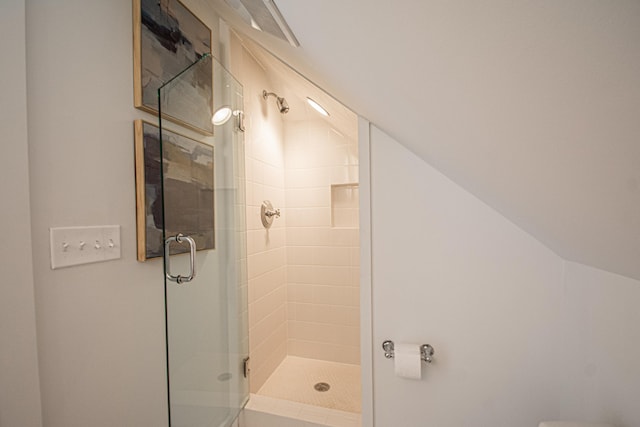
(322, 242)
(303, 272)
(264, 162)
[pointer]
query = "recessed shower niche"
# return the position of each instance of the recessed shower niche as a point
(344, 205)
(303, 270)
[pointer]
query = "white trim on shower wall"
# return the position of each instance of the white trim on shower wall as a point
(366, 314)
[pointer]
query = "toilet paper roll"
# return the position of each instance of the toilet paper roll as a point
(408, 363)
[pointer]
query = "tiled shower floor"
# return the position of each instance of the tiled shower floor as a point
(289, 393)
(295, 378)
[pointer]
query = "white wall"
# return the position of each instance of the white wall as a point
(513, 340)
(602, 345)
(19, 382)
(100, 326)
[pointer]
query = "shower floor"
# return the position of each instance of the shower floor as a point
(295, 378)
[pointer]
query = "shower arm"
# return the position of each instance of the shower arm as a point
(266, 94)
(282, 104)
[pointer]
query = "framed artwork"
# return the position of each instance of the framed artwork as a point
(188, 190)
(168, 38)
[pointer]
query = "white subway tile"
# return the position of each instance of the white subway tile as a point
(306, 236)
(318, 350)
(354, 276)
(253, 218)
(291, 310)
(336, 295)
(343, 236)
(307, 312)
(298, 292)
(331, 275)
(265, 284)
(308, 197)
(308, 217)
(266, 358)
(257, 170)
(352, 297)
(274, 176)
(307, 178)
(262, 307)
(353, 173)
(300, 255)
(260, 354)
(263, 262)
(265, 327)
(354, 256)
(300, 274)
(332, 256)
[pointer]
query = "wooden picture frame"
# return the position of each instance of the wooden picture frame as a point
(167, 39)
(189, 202)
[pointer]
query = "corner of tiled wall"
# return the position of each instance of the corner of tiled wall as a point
(265, 248)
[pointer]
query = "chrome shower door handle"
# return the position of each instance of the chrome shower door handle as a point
(180, 238)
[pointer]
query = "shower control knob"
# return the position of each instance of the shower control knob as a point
(267, 213)
(275, 213)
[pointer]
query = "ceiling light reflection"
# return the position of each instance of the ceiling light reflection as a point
(317, 107)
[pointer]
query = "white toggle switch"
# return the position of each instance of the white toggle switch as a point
(64, 254)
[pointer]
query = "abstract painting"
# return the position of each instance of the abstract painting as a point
(168, 38)
(187, 167)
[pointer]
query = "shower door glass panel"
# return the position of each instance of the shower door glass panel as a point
(203, 197)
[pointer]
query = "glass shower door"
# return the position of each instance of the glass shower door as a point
(205, 249)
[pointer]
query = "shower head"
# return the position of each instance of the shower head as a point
(282, 104)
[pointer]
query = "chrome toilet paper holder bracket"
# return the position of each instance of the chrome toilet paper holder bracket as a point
(426, 351)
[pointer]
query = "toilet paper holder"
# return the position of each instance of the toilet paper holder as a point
(426, 351)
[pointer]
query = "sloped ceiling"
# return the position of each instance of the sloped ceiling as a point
(533, 106)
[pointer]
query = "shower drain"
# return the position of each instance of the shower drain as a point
(322, 387)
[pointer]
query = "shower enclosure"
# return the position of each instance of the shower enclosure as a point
(205, 289)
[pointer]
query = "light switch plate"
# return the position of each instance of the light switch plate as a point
(83, 245)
